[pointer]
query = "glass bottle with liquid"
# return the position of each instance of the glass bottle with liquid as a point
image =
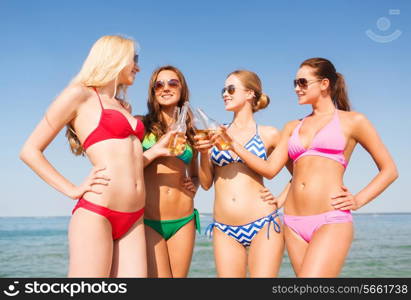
(177, 143)
(212, 127)
(199, 124)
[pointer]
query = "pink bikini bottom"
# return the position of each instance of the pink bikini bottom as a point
(305, 226)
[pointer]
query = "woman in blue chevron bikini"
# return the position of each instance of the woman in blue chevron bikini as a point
(246, 230)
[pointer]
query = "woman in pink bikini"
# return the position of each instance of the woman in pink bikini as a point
(106, 231)
(319, 229)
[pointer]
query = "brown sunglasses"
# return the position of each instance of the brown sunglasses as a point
(160, 84)
(303, 82)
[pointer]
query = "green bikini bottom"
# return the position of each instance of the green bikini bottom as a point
(167, 228)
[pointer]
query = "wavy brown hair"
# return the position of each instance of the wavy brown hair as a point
(153, 120)
(323, 68)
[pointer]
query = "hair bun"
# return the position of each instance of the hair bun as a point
(261, 103)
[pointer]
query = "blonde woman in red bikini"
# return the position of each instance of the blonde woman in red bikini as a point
(106, 231)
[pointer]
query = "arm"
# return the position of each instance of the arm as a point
(276, 160)
(365, 134)
(60, 113)
(152, 153)
(206, 170)
(193, 171)
(191, 181)
(279, 201)
(159, 149)
(206, 173)
(281, 198)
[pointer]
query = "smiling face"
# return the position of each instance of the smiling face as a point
(128, 74)
(312, 88)
(235, 94)
(167, 88)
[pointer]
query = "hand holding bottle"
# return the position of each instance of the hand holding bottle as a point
(177, 143)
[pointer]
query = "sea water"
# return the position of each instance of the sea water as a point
(37, 247)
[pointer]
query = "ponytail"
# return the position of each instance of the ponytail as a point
(323, 68)
(339, 94)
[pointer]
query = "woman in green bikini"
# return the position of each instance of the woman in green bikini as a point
(171, 181)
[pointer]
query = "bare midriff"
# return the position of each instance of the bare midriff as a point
(123, 160)
(315, 181)
(166, 198)
(237, 195)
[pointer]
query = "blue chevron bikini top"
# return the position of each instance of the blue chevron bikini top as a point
(255, 145)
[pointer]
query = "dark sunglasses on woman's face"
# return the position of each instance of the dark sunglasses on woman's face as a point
(303, 82)
(230, 89)
(172, 83)
(136, 59)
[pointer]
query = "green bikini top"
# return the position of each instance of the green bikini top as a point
(150, 139)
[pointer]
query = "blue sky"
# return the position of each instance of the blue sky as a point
(44, 43)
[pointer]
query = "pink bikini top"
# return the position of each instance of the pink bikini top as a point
(328, 142)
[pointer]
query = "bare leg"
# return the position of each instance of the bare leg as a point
(296, 248)
(323, 258)
(180, 249)
(158, 262)
(129, 258)
(230, 256)
(90, 245)
(265, 254)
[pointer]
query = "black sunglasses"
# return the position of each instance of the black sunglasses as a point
(136, 59)
(303, 82)
(160, 84)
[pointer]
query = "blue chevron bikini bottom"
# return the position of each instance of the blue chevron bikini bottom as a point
(244, 234)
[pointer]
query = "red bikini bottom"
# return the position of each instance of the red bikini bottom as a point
(120, 221)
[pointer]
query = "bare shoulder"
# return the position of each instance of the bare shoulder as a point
(77, 92)
(72, 96)
(289, 126)
(268, 130)
(70, 99)
(269, 134)
(353, 118)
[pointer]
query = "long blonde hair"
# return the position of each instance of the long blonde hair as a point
(107, 57)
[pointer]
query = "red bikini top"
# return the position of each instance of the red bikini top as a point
(112, 125)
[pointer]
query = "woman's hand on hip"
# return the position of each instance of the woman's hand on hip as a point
(95, 178)
(267, 196)
(345, 200)
(189, 185)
